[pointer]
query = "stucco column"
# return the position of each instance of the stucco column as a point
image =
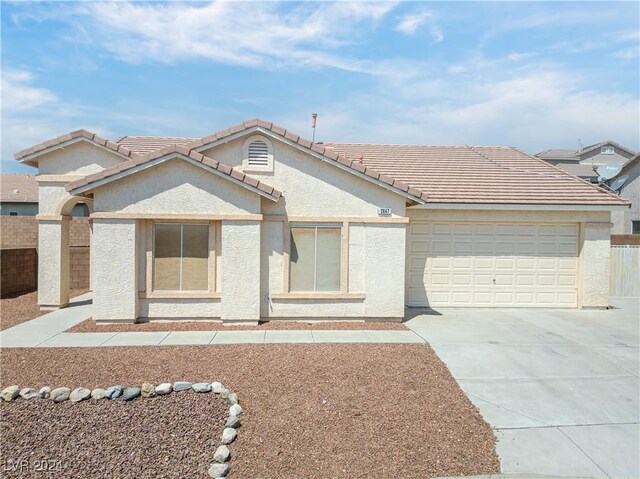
(53, 262)
(594, 264)
(114, 270)
(240, 270)
(385, 265)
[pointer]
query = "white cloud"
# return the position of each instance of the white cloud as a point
(627, 53)
(410, 23)
(19, 95)
(236, 33)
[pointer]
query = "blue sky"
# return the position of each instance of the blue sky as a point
(532, 75)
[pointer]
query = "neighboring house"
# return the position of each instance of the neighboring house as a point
(19, 197)
(628, 221)
(256, 222)
(583, 163)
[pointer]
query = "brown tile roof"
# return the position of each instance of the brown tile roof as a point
(146, 144)
(578, 169)
(18, 188)
(481, 174)
(181, 150)
(71, 137)
(425, 173)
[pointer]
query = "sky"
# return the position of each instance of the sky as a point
(533, 75)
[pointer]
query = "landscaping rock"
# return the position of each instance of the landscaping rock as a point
(201, 387)
(28, 393)
(98, 393)
(224, 394)
(148, 390)
(222, 454)
(113, 392)
(181, 386)
(130, 393)
(60, 394)
(164, 388)
(80, 394)
(10, 393)
(217, 387)
(233, 422)
(228, 435)
(45, 392)
(235, 410)
(218, 470)
(232, 399)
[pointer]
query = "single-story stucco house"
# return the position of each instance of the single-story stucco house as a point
(256, 222)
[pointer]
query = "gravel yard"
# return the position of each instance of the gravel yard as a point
(311, 411)
(169, 436)
(24, 308)
(90, 326)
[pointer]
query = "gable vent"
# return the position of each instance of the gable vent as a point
(258, 154)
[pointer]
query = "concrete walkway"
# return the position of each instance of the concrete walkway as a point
(48, 331)
(560, 387)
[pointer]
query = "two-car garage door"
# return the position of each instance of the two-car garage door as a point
(463, 264)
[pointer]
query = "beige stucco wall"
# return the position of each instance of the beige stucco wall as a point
(79, 158)
(175, 186)
(622, 219)
(312, 187)
(114, 270)
(593, 281)
(180, 308)
(53, 263)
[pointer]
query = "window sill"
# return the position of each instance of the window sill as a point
(178, 295)
(329, 296)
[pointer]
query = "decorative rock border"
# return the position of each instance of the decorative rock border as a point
(217, 470)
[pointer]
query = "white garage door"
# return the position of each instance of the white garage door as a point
(492, 264)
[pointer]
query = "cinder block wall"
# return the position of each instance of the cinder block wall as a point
(18, 245)
(18, 271)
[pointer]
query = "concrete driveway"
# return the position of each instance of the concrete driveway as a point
(560, 387)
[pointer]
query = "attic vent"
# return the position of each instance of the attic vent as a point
(258, 154)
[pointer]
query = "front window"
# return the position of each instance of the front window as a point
(635, 227)
(315, 258)
(181, 257)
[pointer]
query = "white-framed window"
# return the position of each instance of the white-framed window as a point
(607, 150)
(257, 154)
(315, 259)
(181, 256)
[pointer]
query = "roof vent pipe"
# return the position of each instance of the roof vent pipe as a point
(314, 117)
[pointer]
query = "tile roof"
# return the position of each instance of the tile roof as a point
(578, 169)
(425, 173)
(477, 174)
(146, 144)
(77, 135)
(180, 150)
(559, 154)
(18, 188)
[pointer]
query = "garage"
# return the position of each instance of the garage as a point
(485, 264)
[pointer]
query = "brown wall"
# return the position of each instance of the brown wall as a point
(18, 271)
(22, 232)
(625, 239)
(19, 243)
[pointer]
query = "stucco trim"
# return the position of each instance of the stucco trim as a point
(338, 219)
(178, 295)
(328, 296)
(516, 207)
(177, 217)
(131, 167)
(42, 218)
(58, 178)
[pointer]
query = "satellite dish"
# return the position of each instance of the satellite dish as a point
(607, 172)
(618, 183)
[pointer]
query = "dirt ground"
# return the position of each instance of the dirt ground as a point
(23, 308)
(311, 411)
(90, 326)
